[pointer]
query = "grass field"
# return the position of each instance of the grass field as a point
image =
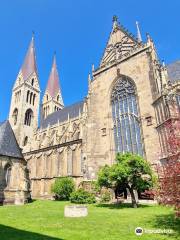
(44, 220)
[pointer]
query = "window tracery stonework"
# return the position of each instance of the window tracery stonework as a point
(126, 120)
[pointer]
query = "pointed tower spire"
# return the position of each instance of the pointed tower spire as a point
(89, 83)
(27, 103)
(53, 86)
(52, 100)
(89, 79)
(29, 66)
(138, 32)
(93, 68)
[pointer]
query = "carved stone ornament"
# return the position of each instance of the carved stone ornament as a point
(73, 147)
(29, 157)
(60, 150)
(48, 153)
(119, 49)
(38, 155)
(123, 87)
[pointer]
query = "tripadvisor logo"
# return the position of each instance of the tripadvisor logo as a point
(138, 231)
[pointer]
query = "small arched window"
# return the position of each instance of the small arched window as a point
(127, 129)
(32, 82)
(47, 97)
(31, 96)
(27, 97)
(58, 98)
(28, 117)
(7, 171)
(25, 141)
(19, 95)
(34, 97)
(15, 116)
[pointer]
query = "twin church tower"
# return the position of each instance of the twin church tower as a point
(25, 100)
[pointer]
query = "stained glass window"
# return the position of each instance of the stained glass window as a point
(127, 130)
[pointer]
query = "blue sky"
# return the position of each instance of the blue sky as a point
(78, 32)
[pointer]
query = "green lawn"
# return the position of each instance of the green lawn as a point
(44, 220)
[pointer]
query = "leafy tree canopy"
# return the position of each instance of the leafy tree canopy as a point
(130, 171)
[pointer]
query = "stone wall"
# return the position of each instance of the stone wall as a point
(16, 190)
(48, 164)
(100, 137)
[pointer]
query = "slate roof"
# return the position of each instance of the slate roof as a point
(174, 71)
(8, 144)
(53, 86)
(29, 65)
(62, 115)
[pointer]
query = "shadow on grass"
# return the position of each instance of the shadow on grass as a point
(9, 233)
(120, 205)
(32, 201)
(168, 221)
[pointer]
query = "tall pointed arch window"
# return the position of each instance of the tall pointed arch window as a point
(127, 130)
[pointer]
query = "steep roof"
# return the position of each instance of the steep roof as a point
(29, 65)
(8, 144)
(53, 85)
(71, 111)
(174, 71)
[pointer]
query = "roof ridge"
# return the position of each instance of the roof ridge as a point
(62, 115)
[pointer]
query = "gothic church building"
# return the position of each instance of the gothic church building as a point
(124, 111)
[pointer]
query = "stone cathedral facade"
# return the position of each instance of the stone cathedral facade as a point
(124, 111)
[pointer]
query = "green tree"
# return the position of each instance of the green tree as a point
(130, 171)
(63, 187)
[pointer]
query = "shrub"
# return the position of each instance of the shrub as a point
(82, 196)
(95, 187)
(63, 187)
(105, 196)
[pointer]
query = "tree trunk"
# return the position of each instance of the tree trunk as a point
(134, 203)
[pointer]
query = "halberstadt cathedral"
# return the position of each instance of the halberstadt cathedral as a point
(128, 102)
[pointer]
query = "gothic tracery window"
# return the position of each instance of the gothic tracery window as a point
(127, 131)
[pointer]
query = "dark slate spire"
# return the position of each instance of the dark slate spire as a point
(29, 66)
(8, 144)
